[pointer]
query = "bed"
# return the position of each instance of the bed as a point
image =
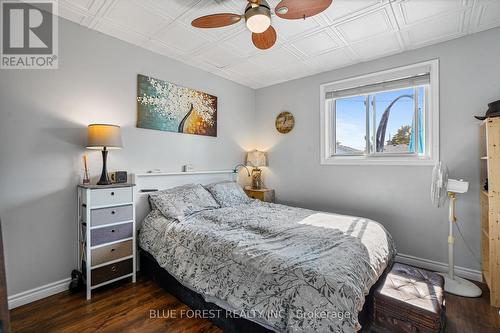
(277, 268)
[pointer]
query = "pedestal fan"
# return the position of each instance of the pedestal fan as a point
(443, 188)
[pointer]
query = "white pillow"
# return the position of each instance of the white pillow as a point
(181, 201)
(228, 193)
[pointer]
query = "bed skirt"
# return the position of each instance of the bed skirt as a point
(229, 324)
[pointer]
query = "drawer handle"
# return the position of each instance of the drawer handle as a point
(113, 268)
(112, 193)
(113, 212)
(112, 250)
(113, 230)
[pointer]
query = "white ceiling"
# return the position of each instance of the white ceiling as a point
(349, 32)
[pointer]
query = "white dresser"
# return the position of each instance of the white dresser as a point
(106, 233)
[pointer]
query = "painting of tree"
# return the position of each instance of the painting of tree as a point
(168, 107)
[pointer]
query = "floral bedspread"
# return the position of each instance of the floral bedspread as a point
(290, 269)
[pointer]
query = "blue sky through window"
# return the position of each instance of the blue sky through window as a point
(351, 122)
(351, 116)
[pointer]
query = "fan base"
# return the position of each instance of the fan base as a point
(460, 287)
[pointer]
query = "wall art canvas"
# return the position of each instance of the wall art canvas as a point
(165, 106)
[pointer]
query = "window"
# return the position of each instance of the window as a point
(389, 117)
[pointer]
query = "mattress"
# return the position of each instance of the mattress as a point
(287, 268)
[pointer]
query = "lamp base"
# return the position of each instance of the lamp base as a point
(460, 287)
(104, 180)
(256, 179)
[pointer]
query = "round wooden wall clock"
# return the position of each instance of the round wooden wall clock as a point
(285, 122)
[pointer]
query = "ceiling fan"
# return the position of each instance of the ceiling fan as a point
(258, 18)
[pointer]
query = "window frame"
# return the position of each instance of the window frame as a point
(431, 119)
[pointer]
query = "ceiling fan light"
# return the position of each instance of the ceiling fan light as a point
(258, 19)
(258, 23)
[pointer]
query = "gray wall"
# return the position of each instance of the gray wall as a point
(43, 115)
(43, 118)
(397, 196)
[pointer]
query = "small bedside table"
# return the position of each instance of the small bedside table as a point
(264, 194)
(107, 243)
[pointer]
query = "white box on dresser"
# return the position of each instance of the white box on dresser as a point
(106, 234)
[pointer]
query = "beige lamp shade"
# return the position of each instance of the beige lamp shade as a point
(257, 158)
(100, 136)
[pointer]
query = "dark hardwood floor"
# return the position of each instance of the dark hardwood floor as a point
(123, 307)
(471, 314)
(126, 307)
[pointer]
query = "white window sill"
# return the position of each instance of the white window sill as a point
(363, 160)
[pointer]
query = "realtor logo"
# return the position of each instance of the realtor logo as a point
(29, 35)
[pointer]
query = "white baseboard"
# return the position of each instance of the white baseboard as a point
(437, 266)
(37, 293)
(50, 289)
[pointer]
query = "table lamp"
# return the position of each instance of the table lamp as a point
(256, 159)
(104, 137)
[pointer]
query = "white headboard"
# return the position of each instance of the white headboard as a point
(150, 182)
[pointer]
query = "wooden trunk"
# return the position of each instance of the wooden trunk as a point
(391, 317)
(409, 300)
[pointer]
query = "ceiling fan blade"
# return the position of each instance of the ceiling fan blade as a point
(300, 9)
(264, 40)
(216, 20)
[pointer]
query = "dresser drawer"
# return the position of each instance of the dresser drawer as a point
(111, 252)
(110, 196)
(110, 234)
(110, 215)
(110, 272)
